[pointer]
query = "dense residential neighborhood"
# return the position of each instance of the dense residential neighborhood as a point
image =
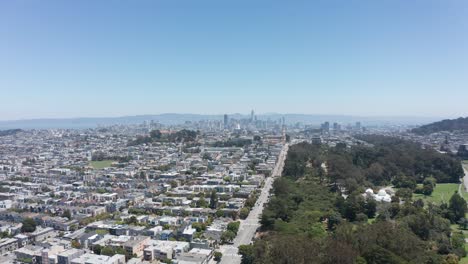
(132, 194)
(156, 193)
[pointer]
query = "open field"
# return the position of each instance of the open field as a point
(442, 193)
(101, 164)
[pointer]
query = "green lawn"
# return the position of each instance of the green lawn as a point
(101, 164)
(441, 193)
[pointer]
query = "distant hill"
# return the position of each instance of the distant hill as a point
(9, 132)
(459, 124)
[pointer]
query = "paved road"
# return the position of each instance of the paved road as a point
(248, 227)
(465, 178)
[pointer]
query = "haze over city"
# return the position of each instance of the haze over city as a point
(106, 59)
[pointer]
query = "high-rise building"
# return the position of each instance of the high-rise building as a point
(358, 126)
(336, 127)
(226, 121)
(326, 127)
(252, 114)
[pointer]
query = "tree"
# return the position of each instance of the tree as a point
(107, 251)
(227, 236)
(234, 227)
(428, 186)
(29, 225)
(244, 213)
(370, 208)
(97, 249)
(202, 203)
(247, 253)
(463, 223)
(67, 214)
(458, 244)
(219, 213)
(405, 194)
(217, 256)
(75, 244)
(155, 134)
(174, 184)
(457, 207)
(213, 199)
(120, 251)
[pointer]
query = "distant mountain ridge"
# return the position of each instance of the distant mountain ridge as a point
(459, 124)
(174, 119)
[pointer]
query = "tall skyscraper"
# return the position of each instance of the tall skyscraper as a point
(252, 114)
(226, 121)
(336, 127)
(358, 126)
(326, 127)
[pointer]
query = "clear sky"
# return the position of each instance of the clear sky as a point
(114, 58)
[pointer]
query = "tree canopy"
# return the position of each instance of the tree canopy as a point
(317, 213)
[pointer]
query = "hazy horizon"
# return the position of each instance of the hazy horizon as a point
(111, 59)
(246, 114)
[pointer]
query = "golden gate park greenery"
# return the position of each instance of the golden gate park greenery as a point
(308, 220)
(183, 135)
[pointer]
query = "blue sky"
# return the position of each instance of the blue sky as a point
(114, 58)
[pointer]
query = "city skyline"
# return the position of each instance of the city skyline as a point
(365, 58)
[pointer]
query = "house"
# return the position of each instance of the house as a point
(67, 256)
(8, 245)
(195, 256)
(6, 204)
(161, 249)
(99, 259)
(135, 246)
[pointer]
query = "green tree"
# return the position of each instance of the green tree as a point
(155, 134)
(227, 236)
(67, 214)
(458, 244)
(234, 227)
(428, 186)
(217, 256)
(120, 251)
(107, 251)
(202, 203)
(213, 199)
(463, 223)
(370, 208)
(75, 244)
(244, 213)
(219, 213)
(247, 253)
(457, 207)
(198, 226)
(29, 225)
(174, 184)
(97, 249)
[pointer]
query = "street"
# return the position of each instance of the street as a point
(249, 226)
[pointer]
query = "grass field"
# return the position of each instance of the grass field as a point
(442, 193)
(101, 164)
